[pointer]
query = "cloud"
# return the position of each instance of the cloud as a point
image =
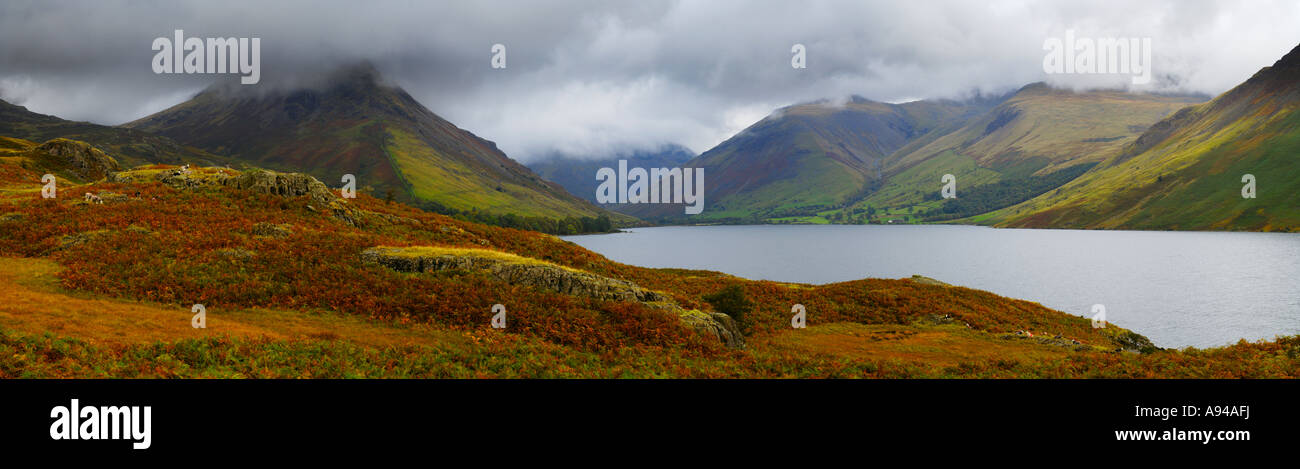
(595, 77)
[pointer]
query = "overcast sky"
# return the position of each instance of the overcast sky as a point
(594, 77)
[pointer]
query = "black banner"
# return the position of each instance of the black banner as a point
(292, 418)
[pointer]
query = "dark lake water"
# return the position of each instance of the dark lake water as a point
(1177, 288)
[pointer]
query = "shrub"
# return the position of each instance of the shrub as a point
(732, 302)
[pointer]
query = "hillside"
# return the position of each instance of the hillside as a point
(1039, 137)
(70, 160)
(578, 175)
(298, 282)
(354, 123)
(810, 157)
(1186, 172)
(132, 147)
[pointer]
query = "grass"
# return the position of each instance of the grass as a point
(805, 220)
(911, 187)
(435, 251)
(37, 304)
(1037, 131)
(1192, 181)
(810, 181)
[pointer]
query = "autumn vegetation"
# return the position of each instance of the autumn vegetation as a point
(105, 290)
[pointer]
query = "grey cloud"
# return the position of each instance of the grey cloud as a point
(594, 77)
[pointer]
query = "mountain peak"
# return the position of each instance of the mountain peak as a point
(357, 76)
(362, 72)
(1283, 75)
(351, 121)
(1289, 61)
(1035, 86)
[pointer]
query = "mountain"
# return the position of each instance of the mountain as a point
(1186, 172)
(132, 147)
(578, 175)
(810, 157)
(1035, 140)
(354, 123)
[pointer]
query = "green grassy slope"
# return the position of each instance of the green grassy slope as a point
(1036, 132)
(1186, 172)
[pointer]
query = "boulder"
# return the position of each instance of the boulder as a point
(718, 325)
(112, 197)
(294, 185)
(283, 184)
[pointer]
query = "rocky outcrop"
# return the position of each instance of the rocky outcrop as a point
(547, 276)
(87, 162)
(517, 270)
(1055, 341)
(283, 184)
(717, 325)
(254, 180)
(921, 279)
(294, 185)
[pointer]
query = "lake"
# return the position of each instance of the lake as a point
(1179, 289)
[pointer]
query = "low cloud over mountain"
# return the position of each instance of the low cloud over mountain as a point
(594, 78)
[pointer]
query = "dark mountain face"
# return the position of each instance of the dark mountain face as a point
(578, 175)
(131, 147)
(354, 123)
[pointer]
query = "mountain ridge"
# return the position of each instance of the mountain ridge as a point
(811, 156)
(1188, 171)
(133, 147)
